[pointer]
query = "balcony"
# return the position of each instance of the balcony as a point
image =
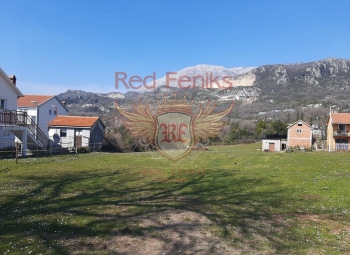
(341, 133)
(11, 120)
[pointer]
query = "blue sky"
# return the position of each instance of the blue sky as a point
(52, 46)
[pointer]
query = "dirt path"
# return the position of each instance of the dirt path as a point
(169, 232)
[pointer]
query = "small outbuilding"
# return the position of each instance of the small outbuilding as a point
(74, 132)
(273, 145)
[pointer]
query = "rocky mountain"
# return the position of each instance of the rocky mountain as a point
(112, 95)
(79, 94)
(199, 74)
(268, 88)
(331, 74)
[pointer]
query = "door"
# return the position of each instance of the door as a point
(271, 146)
(78, 137)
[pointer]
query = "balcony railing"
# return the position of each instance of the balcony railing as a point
(341, 133)
(14, 118)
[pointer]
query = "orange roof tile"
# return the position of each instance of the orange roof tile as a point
(341, 118)
(73, 121)
(26, 101)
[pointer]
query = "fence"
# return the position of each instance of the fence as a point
(15, 149)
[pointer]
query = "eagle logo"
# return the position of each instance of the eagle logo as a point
(174, 129)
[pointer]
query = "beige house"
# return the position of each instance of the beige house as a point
(338, 131)
(299, 135)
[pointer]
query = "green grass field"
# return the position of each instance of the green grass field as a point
(247, 201)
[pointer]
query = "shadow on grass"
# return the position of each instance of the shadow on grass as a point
(63, 215)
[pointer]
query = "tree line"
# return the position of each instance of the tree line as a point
(244, 131)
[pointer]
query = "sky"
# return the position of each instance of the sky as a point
(52, 46)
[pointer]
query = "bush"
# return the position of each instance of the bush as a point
(83, 149)
(8, 152)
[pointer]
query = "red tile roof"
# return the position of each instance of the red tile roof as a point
(340, 118)
(26, 101)
(73, 121)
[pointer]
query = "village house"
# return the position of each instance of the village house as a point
(74, 132)
(299, 135)
(338, 131)
(17, 126)
(41, 109)
(8, 102)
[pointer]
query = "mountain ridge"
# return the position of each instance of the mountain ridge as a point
(278, 83)
(201, 70)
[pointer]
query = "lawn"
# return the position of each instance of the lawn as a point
(228, 200)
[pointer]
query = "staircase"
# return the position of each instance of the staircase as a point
(19, 123)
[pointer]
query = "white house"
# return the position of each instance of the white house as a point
(273, 145)
(77, 131)
(41, 109)
(9, 94)
(14, 124)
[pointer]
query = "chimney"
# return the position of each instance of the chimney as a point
(64, 103)
(13, 79)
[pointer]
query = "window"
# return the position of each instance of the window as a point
(342, 127)
(78, 132)
(54, 112)
(50, 112)
(63, 132)
(299, 124)
(298, 131)
(2, 104)
(23, 109)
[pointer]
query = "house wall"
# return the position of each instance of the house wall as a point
(10, 97)
(31, 111)
(331, 138)
(97, 133)
(8, 94)
(68, 141)
(44, 113)
(266, 144)
(303, 139)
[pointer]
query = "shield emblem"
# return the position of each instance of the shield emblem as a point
(174, 134)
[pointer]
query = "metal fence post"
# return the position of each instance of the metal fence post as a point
(16, 152)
